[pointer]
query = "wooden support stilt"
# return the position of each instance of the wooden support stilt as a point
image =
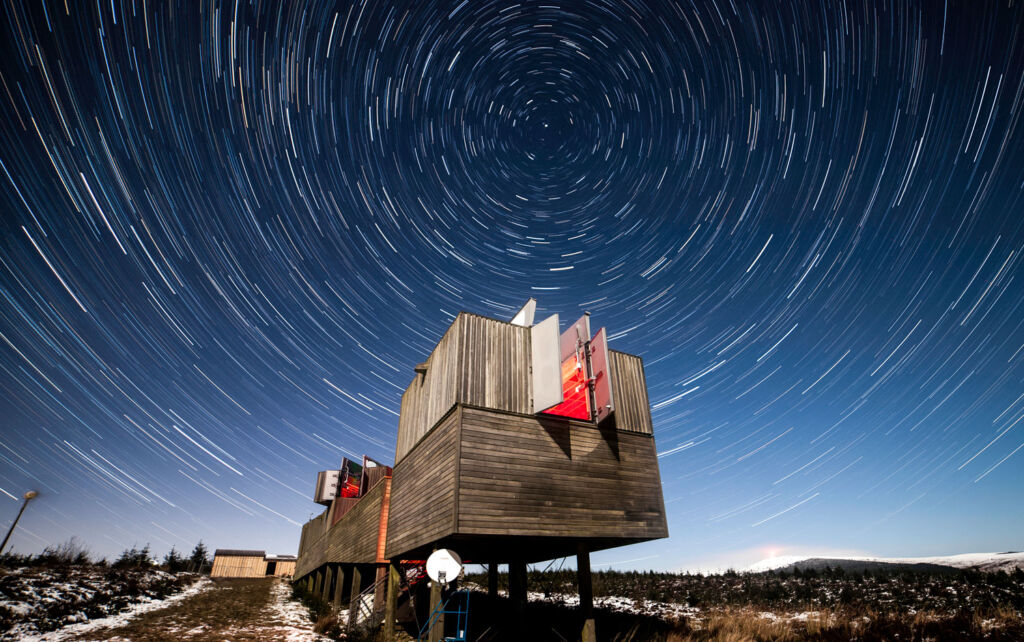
(586, 585)
(380, 592)
(391, 604)
(492, 580)
(353, 605)
(517, 585)
(325, 590)
(339, 587)
(437, 630)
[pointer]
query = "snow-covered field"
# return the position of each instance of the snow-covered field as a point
(146, 605)
(975, 561)
(34, 601)
(206, 609)
(617, 604)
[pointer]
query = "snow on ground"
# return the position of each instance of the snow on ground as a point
(978, 561)
(144, 606)
(616, 604)
(292, 619)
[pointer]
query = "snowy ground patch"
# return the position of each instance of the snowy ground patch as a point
(39, 600)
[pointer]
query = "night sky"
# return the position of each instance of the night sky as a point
(229, 231)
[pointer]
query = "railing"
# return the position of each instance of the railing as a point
(457, 604)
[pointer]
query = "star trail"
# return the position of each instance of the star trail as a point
(229, 231)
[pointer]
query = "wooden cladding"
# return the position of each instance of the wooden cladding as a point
(550, 477)
(423, 490)
(353, 539)
(238, 566)
(431, 394)
(479, 361)
(629, 389)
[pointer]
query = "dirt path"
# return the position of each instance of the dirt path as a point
(235, 610)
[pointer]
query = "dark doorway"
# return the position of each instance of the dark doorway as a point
(271, 568)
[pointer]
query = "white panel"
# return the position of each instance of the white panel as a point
(525, 315)
(327, 486)
(602, 375)
(547, 366)
(574, 337)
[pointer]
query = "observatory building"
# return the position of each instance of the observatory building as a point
(517, 443)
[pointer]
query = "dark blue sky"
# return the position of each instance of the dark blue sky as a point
(230, 230)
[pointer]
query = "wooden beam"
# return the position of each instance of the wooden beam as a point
(391, 605)
(437, 629)
(325, 590)
(380, 591)
(339, 586)
(517, 586)
(353, 605)
(586, 585)
(492, 580)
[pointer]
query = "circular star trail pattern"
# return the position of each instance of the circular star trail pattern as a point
(230, 230)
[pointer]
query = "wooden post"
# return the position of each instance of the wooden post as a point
(391, 605)
(492, 580)
(325, 590)
(339, 586)
(437, 629)
(517, 570)
(586, 584)
(353, 605)
(380, 583)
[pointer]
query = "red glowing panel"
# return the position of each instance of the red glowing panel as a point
(574, 391)
(349, 487)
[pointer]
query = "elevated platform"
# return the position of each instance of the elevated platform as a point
(498, 485)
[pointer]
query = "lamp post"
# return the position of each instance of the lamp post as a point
(30, 495)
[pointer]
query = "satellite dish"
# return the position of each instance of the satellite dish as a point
(444, 565)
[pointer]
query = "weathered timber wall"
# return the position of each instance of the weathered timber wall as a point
(520, 475)
(629, 391)
(430, 396)
(496, 365)
(479, 361)
(238, 566)
(352, 540)
(283, 568)
(423, 490)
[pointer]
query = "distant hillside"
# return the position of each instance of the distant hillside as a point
(986, 562)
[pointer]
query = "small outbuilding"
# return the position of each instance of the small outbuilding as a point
(229, 562)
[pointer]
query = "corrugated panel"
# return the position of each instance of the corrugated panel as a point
(629, 389)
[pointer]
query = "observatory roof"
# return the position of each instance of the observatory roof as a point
(233, 552)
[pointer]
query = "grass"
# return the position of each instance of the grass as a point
(233, 610)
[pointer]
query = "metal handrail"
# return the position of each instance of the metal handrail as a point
(462, 623)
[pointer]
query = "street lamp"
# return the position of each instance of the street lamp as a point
(30, 495)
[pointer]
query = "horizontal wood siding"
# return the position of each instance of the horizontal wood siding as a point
(423, 491)
(238, 566)
(629, 392)
(526, 476)
(430, 396)
(352, 540)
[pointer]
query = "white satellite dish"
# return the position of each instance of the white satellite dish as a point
(444, 565)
